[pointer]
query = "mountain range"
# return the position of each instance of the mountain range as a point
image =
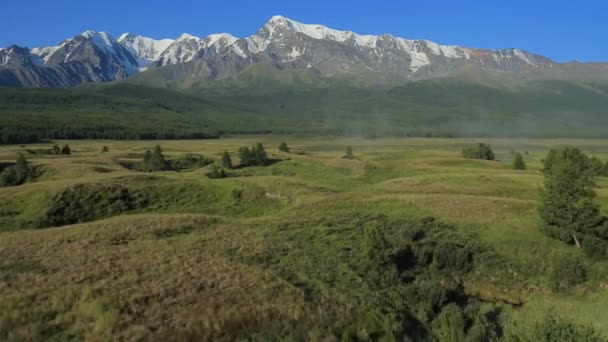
(280, 44)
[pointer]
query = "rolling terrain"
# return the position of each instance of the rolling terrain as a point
(279, 251)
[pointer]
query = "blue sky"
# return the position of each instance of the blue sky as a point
(561, 30)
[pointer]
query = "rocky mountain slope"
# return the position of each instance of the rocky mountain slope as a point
(281, 44)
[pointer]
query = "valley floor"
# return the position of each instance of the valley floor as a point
(268, 252)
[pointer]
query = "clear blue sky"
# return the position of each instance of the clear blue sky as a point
(561, 30)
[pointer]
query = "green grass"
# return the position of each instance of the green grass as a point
(282, 260)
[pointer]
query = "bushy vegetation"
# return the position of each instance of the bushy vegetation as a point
(154, 160)
(568, 208)
(16, 174)
(480, 151)
(88, 202)
(256, 156)
(283, 147)
(217, 172)
(348, 153)
(226, 160)
(518, 162)
(189, 161)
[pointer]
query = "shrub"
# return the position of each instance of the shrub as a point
(283, 147)
(568, 271)
(518, 162)
(450, 325)
(594, 247)
(16, 174)
(216, 172)
(481, 151)
(105, 149)
(553, 328)
(83, 203)
(348, 154)
(226, 160)
(66, 150)
(190, 161)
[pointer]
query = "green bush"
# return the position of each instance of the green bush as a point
(16, 174)
(450, 325)
(481, 151)
(555, 329)
(518, 162)
(190, 161)
(568, 271)
(84, 203)
(594, 247)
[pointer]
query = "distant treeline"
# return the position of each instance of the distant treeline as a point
(25, 135)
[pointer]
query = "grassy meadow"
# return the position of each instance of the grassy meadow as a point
(270, 253)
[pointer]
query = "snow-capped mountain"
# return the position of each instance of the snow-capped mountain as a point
(281, 42)
(146, 50)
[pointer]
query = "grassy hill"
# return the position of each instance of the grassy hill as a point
(282, 252)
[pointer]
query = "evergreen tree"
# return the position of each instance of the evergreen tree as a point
(259, 155)
(245, 156)
(518, 162)
(226, 160)
(348, 154)
(283, 147)
(155, 160)
(56, 149)
(147, 163)
(568, 209)
(66, 150)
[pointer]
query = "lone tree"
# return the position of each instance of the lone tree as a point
(226, 160)
(568, 210)
(283, 147)
(105, 149)
(348, 154)
(66, 150)
(56, 149)
(518, 162)
(480, 151)
(260, 156)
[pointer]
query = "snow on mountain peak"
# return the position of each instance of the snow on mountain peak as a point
(187, 36)
(145, 50)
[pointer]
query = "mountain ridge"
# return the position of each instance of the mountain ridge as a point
(285, 43)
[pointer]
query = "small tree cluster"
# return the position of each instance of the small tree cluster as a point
(154, 160)
(256, 156)
(283, 147)
(64, 150)
(480, 151)
(16, 174)
(568, 208)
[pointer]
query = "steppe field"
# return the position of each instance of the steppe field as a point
(277, 252)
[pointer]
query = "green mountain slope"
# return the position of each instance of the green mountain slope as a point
(290, 102)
